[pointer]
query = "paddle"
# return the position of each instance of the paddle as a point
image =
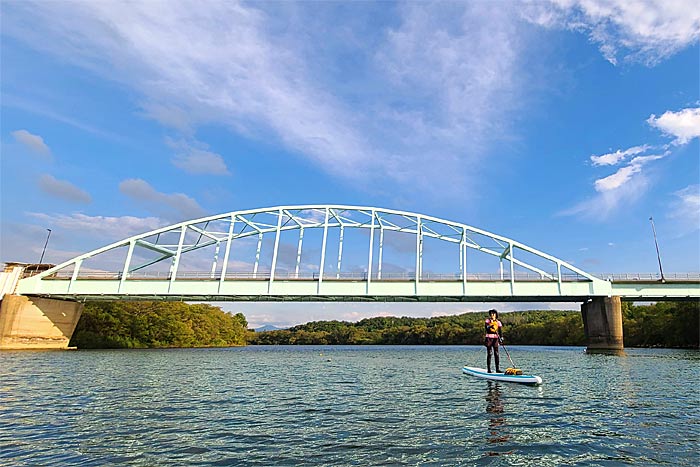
(507, 353)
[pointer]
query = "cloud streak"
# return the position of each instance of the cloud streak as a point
(646, 31)
(63, 189)
(455, 80)
(623, 175)
(618, 156)
(446, 78)
(685, 208)
(628, 183)
(197, 160)
(172, 206)
(34, 143)
(104, 227)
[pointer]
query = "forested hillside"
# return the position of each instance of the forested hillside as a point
(176, 324)
(157, 324)
(661, 325)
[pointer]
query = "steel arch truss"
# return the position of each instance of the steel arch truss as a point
(171, 245)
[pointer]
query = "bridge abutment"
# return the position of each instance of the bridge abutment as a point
(37, 323)
(602, 324)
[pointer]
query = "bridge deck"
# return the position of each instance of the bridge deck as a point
(438, 289)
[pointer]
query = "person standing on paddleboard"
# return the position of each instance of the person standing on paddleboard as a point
(493, 337)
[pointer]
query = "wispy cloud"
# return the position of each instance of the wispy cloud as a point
(618, 156)
(63, 189)
(194, 158)
(104, 227)
(34, 143)
(646, 31)
(446, 78)
(171, 206)
(684, 125)
(452, 67)
(623, 175)
(629, 183)
(606, 202)
(9, 100)
(685, 208)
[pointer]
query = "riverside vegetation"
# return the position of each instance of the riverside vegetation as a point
(665, 324)
(176, 324)
(113, 325)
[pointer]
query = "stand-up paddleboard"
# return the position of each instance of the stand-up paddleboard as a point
(482, 373)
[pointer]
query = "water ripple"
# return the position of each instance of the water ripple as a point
(346, 406)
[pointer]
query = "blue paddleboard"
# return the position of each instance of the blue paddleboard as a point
(522, 379)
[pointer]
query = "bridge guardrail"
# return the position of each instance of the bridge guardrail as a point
(288, 275)
(362, 276)
(651, 276)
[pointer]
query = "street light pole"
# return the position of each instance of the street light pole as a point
(44, 251)
(658, 256)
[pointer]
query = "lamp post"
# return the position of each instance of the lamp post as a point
(658, 256)
(44, 250)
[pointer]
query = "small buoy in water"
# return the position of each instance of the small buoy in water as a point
(328, 360)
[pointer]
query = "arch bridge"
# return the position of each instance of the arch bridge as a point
(331, 253)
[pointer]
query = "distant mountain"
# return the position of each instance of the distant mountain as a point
(268, 327)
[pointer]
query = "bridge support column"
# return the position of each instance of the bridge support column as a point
(37, 323)
(602, 324)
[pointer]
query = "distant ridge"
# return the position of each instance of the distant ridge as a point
(268, 327)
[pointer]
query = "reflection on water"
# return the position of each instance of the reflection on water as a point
(497, 421)
(370, 405)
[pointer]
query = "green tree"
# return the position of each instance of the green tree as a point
(157, 324)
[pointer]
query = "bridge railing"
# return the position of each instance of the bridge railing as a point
(291, 275)
(649, 276)
(362, 276)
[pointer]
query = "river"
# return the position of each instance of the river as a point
(347, 405)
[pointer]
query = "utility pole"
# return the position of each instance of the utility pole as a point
(658, 256)
(44, 251)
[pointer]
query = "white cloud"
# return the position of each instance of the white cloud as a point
(624, 174)
(607, 201)
(196, 160)
(629, 183)
(103, 227)
(231, 72)
(623, 187)
(684, 125)
(647, 31)
(453, 69)
(35, 143)
(614, 158)
(686, 208)
(172, 206)
(63, 189)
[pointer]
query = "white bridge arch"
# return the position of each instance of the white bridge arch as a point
(152, 263)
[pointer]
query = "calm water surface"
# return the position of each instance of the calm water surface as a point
(346, 406)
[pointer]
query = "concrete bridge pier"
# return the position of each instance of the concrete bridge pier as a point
(602, 324)
(37, 323)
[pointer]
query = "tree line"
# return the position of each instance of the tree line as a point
(668, 324)
(176, 324)
(114, 325)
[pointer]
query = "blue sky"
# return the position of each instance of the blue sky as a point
(562, 124)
